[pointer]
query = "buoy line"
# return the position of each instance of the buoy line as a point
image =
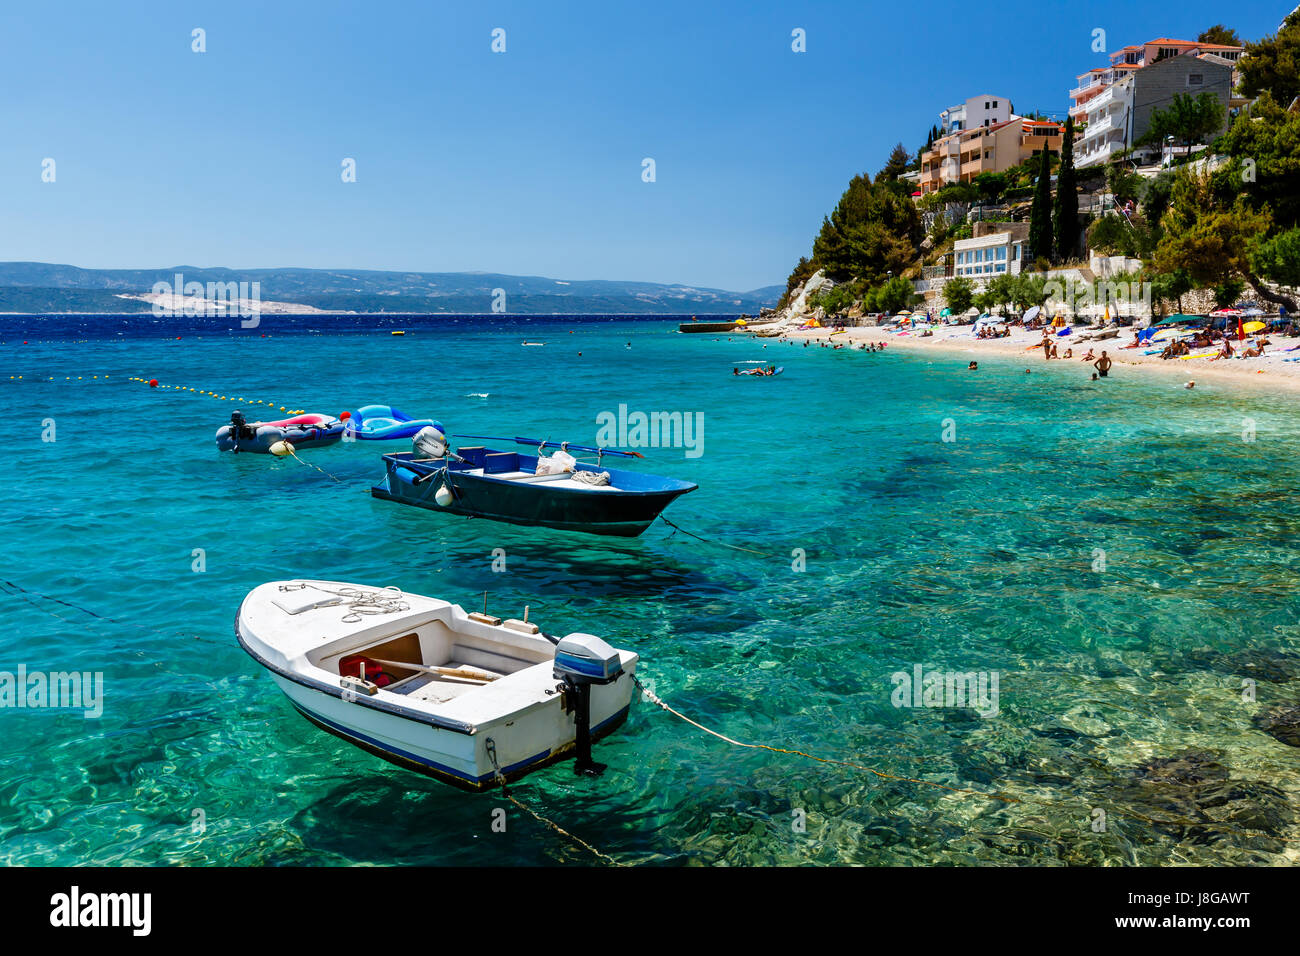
(154, 383)
(53, 378)
(1000, 797)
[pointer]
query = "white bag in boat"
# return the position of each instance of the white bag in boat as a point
(557, 464)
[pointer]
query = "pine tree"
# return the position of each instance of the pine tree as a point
(1065, 223)
(1040, 213)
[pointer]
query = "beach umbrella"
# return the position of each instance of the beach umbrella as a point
(1252, 326)
(1033, 313)
(905, 312)
(943, 314)
(1179, 317)
(741, 322)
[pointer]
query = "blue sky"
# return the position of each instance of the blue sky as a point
(525, 162)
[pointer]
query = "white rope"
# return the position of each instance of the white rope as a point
(359, 601)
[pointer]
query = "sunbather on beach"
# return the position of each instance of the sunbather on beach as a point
(1225, 352)
(1091, 356)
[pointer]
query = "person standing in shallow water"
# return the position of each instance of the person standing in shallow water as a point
(1103, 364)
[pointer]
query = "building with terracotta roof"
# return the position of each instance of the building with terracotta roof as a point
(964, 154)
(1127, 60)
(1117, 118)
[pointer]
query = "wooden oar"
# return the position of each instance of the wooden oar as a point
(465, 673)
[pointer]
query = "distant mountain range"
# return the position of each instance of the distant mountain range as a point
(35, 287)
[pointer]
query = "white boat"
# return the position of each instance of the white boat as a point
(466, 698)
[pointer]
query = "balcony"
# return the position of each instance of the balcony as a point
(1079, 91)
(1098, 126)
(1099, 154)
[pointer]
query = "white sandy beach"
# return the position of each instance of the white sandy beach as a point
(1270, 370)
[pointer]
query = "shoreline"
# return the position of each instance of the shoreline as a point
(1269, 372)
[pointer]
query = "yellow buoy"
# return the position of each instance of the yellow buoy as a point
(281, 448)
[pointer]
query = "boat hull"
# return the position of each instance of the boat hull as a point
(455, 757)
(621, 513)
(305, 431)
(517, 725)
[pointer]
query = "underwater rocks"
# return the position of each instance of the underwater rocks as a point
(1194, 797)
(1282, 723)
(1257, 662)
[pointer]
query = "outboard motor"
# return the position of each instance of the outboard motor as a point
(230, 436)
(582, 660)
(430, 442)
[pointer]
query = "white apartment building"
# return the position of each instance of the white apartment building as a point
(985, 110)
(1107, 116)
(989, 255)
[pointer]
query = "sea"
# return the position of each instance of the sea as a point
(982, 617)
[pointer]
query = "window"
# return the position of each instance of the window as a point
(1015, 252)
(1195, 79)
(1002, 251)
(1001, 267)
(995, 104)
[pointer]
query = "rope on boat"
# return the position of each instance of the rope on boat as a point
(997, 796)
(505, 792)
(360, 602)
(723, 544)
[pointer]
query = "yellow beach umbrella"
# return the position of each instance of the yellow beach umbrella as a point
(1252, 327)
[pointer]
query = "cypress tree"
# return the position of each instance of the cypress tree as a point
(1040, 213)
(1065, 224)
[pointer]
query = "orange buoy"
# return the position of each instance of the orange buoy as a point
(153, 383)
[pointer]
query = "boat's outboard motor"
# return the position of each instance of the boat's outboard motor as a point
(580, 661)
(430, 442)
(230, 436)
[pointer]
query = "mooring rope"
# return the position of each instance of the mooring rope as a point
(310, 465)
(997, 796)
(505, 792)
(723, 544)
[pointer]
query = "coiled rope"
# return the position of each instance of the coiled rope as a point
(359, 602)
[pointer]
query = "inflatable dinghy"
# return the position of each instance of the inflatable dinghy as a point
(302, 431)
(382, 423)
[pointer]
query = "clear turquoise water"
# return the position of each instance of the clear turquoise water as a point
(975, 554)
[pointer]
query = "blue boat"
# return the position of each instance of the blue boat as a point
(482, 482)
